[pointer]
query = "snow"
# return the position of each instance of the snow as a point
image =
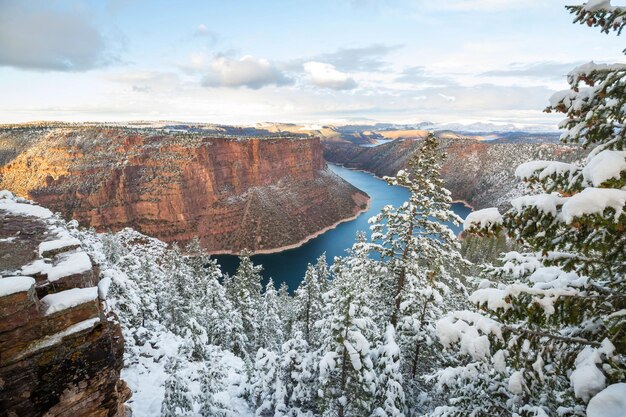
(605, 166)
(466, 327)
(595, 5)
(58, 337)
(67, 299)
(73, 263)
(21, 209)
(516, 383)
(483, 218)
(593, 201)
(12, 285)
(54, 245)
(103, 287)
(493, 297)
(545, 203)
(547, 168)
(587, 379)
(610, 402)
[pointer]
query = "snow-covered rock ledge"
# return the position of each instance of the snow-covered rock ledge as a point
(53, 320)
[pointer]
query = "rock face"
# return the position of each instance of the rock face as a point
(232, 193)
(478, 172)
(60, 350)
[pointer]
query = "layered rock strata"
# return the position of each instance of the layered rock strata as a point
(60, 349)
(259, 194)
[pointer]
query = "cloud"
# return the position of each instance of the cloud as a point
(246, 71)
(368, 58)
(202, 31)
(327, 76)
(35, 37)
(447, 98)
(418, 75)
(546, 69)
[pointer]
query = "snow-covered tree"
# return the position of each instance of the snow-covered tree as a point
(271, 328)
(554, 314)
(308, 304)
(177, 401)
(244, 292)
(299, 369)
(211, 383)
(390, 399)
(267, 387)
(347, 377)
(422, 256)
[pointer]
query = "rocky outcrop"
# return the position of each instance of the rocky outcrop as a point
(477, 172)
(60, 349)
(232, 193)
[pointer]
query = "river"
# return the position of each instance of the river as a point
(289, 266)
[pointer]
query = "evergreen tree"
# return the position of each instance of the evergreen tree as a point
(268, 390)
(271, 330)
(211, 383)
(347, 377)
(177, 401)
(299, 369)
(308, 304)
(390, 398)
(422, 256)
(244, 291)
(554, 313)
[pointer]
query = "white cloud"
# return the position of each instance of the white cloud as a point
(246, 71)
(447, 98)
(32, 36)
(327, 76)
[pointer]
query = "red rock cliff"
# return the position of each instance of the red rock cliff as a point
(60, 350)
(234, 194)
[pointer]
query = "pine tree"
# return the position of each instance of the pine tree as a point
(211, 383)
(422, 254)
(553, 313)
(308, 304)
(390, 399)
(347, 377)
(298, 365)
(244, 291)
(177, 400)
(271, 330)
(268, 391)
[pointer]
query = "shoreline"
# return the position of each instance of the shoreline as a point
(465, 203)
(303, 241)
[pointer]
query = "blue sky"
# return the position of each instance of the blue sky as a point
(294, 61)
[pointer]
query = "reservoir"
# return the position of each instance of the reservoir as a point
(289, 266)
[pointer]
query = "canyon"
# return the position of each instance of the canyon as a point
(61, 349)
(233, 193)
(480, 173)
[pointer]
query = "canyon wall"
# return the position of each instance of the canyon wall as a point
(477, 172)
(60, 349)
(232, 193)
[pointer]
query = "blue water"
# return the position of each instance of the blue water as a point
(289, 266)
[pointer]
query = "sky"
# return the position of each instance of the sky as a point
(322, 61)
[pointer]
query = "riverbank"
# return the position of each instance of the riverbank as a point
(310, 237)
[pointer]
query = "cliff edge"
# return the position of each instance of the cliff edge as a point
(60, 349)
(259, 194)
